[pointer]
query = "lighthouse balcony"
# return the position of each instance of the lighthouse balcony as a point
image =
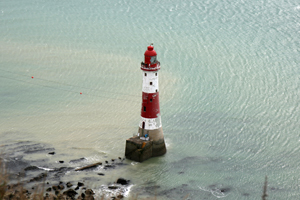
(150, 67)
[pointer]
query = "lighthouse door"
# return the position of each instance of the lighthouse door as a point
(143, 125)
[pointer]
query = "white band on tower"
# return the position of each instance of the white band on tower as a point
(150, 82)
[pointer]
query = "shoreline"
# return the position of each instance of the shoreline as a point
(34, 174)
(100, 176)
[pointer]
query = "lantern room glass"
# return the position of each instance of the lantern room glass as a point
(153, 59)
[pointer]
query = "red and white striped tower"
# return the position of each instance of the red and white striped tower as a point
(150, 122)
(150, 139)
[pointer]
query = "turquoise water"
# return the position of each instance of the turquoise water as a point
(229, 90)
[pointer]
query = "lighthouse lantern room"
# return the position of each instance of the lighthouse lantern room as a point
(149, 141)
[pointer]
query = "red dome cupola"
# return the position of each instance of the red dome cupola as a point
(150, 63)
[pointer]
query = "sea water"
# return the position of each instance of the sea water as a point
(229, 91)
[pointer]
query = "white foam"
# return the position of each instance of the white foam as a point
(216, 192)
(46, 169)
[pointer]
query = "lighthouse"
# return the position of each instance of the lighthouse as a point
(149, 141)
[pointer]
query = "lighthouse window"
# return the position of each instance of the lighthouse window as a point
(144, 108)
(145, 74)
(155, 74)
(150, 100)
(155, 90)
(150, 83)
(153, 59)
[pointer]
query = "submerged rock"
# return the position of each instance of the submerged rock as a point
(32, 168)
(58, 172)
(39, 177)
(109, 167)
(77, 160)
(224, 190)
(113, 187)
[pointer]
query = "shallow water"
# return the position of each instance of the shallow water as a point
(229, 88)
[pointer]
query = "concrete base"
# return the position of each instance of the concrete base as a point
(140, 150)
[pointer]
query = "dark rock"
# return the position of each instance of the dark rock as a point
(113, 160)
(69, 184)
(39, 177)
(51, 153)
(120, 196)
(31, 168)
(113, 187)
(88, 195)
(49, 189)
(60, 171)
(224, 190)
(77, 188)
(79, 184)
(35, 148)
(61, 186)
(121, 164)
(77, 160)
(120, 158)
(55, 188)
(123, 181)
(89, 192)
(109, 167)
(61, 161)
(70, 193)
(180, 172)
(101, 174)
(246, 194)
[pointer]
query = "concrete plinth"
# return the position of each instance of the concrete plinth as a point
(138, 150)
